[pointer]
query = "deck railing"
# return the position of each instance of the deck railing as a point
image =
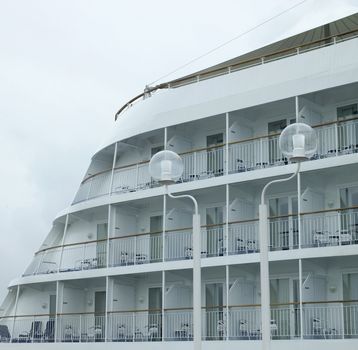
(334, 139)
(320, 320)
(81, 328)
(135, 326)
(333, 227)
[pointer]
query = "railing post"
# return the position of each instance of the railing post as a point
(113, 166)
(63, 242)
(133, 325)
(135, 251)
(80, 328)
(227, 144)
(195, 168)
(136, 176)
(261, 153)
(227, 323)
(89, 188)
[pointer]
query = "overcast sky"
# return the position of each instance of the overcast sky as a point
(66, 66)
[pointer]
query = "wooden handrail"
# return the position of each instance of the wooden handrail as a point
(187, 308)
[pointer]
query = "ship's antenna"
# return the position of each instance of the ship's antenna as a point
(229, 41)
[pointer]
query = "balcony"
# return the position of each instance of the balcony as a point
(334, 139)
(336, 227)
(320, 320)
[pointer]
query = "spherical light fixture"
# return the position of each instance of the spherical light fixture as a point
(166, 167)
(298, 142)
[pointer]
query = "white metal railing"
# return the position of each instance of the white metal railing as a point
(136, 249)
(203, 164)
(135, 326)
(331, 320)
(213, 242)
(318, 229)
(32, 329)
(86, 256)
(337, 138)
(283, 233)
(178, 325)
(244, 323)
(323, 322)
(243, 237)
(178, 245)
(81, 328)
(330, 228)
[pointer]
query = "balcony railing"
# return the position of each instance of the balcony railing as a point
(333, 227)
(334, 139)
(81, 328)
(320, 320)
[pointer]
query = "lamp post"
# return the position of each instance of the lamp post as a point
(297, 142)
(167, 167)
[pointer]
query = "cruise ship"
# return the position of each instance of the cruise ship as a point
(116, 269)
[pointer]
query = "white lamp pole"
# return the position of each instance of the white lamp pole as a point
(297, 142)
(167, 167)
(196, 271)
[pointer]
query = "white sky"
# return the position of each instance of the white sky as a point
(66, 66)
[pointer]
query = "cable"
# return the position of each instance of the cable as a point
(229, 41)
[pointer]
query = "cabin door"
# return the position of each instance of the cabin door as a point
(214, 301)
(99, 315)
(350, 310)
(215, 234)
(215, 156)
(348, 218)
(283, 222)
(155, 313)
(284, 298)
(156, 229)
(101, 247)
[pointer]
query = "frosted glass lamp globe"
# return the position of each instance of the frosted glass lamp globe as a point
(298, 142)
(166, 167)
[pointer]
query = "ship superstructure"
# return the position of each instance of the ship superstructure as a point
(116, 266)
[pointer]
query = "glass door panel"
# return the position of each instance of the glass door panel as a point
(101, 247)
(155, 313)
(214, 156)
(214, 297)
(214, 231)
(156, 238)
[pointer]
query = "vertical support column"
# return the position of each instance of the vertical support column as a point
(164, 225)
(59, 308)
(63, 242)
(15, 311)
(227, 277)
(264, 278)
(163, 306)
(56, 312)
(197, 281)
(106, 323)
(227, 218)
(109, 231)
(165, 138)
(297, 108)
(110, 297)
(113, 167)
(299, 204)
(301, 295)
(227, 143)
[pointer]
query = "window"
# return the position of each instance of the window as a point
(348, 111)
(156, 149)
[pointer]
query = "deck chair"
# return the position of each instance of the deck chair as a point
(4, 334)
(49, 333)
